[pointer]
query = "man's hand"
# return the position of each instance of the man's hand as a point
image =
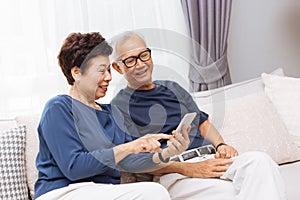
(226, 151)
(178, 143)
(211, 168)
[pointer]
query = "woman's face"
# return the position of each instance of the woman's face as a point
(93, 83)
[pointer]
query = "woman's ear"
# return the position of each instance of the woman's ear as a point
(75, 71)
(117, 67)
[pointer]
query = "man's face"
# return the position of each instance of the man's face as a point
(140, 74)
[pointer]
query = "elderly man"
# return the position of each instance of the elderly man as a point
(157, 106)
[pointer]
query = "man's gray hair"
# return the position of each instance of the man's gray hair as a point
(121, 38)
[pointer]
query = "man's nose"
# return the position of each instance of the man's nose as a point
(139, 62)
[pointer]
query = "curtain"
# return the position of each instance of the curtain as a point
(22, 58)
(208, 23)
(32, 32)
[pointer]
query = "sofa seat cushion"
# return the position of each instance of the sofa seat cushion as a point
(291, 177)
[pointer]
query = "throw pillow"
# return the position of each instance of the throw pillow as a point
(12, 164)
(284, 92)
(251, 123)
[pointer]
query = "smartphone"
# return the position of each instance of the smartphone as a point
(186, 120)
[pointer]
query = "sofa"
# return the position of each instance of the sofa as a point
(250, 115)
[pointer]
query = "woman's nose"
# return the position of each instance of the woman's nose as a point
(108, 76)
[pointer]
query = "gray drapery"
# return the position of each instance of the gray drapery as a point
(208, 23)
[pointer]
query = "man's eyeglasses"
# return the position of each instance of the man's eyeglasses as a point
(132, 60)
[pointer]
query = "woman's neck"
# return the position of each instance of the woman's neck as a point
(80, 96)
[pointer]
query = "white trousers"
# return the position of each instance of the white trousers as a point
(93, 191)
(252, 176)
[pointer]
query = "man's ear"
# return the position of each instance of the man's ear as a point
(75, 71)
(117, 67)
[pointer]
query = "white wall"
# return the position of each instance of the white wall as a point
(264, 35)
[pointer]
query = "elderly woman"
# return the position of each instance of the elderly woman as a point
(82, 149)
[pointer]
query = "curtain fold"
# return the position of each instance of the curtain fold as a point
(208, 24)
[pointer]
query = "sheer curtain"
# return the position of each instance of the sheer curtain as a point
(33, 31)
(22, 58)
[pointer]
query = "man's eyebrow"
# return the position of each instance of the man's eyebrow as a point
(119, 56)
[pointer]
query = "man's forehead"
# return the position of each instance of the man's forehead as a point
(130, 46)
(130, 51)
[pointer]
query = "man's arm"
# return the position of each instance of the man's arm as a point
(210, 168)
(209, 132)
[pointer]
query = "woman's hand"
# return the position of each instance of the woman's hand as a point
(148, 143)
(178, 144)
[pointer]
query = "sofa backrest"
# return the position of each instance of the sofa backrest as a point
(31, 148)
(248, 120)
(7, 124)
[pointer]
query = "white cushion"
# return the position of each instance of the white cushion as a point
(284, 92)
(12, 166)
(251, 123)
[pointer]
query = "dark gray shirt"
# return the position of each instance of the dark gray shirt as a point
(159, 110)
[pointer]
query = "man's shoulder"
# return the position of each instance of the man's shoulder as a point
(120, 97)
(171, 85)
(166, 83)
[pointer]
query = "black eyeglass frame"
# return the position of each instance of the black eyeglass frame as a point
(137, 57)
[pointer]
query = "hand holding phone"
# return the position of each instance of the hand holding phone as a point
(186, 120)
(180, 142)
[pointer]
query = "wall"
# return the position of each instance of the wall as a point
(264, 35)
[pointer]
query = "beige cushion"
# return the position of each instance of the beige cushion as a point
(284, 93)
(252, 123)
(31, 149)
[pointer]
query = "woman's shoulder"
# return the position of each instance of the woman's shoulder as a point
(56, 105)
(59, 101)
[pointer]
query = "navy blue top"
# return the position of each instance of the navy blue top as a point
(76, 144)
(159, 110)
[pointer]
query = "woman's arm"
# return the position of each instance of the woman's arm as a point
(62, 144)
(59, 132)
(147, 143)
(138, 163)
